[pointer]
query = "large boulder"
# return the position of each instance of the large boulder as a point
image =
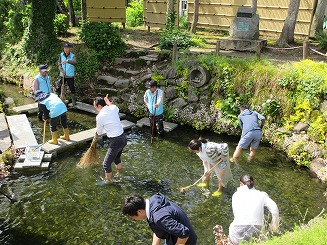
(123, 83)
(178, 103)
(106, 80)
(192, 96)
(170, 93)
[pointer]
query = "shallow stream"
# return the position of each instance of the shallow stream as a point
(67, 205)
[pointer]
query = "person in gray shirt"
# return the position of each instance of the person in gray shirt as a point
(251, 123)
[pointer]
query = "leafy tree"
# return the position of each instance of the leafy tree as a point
(287, 35)
(40, 36)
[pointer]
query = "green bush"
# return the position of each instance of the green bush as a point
(183, 24)
(169, 36)
(103, 38)
(89, 63)
(322, 39)
(60, 24)
(134, 13)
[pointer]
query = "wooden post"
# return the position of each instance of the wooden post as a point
(258, 49)
(305, 49)
(217, 47)
(174, 52)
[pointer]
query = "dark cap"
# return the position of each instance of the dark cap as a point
(152, 84)
(43, 67)
(67, 45)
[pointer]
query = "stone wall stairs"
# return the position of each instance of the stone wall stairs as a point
(133, 65)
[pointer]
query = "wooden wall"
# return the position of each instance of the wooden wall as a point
(219, 14)
(106, 10)
(155, 12)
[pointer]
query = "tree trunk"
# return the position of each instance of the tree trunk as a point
(318, 18)
(195, 16)
(287, 35)
(61, 7)
(40, 37)
(83, 10)
(170, 22)
(71, 13)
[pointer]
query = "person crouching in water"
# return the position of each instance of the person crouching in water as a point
(108, 121)
(211, 153)
(53, 108)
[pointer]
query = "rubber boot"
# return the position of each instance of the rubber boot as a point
(74, 100)
(54, 139)
(66, 134)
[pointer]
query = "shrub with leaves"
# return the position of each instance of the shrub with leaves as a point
(60, 24)
(134, 13)
(169, 36)
(103, 38)
(322, 39)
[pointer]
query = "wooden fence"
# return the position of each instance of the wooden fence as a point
(106, 10)
(219, 14)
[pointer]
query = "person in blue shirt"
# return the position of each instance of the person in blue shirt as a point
(54, 109)
(153, 98)
(251, 123)
(66, 63)
(166, 219)
(42, 82)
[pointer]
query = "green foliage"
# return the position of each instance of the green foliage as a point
(271, 108)
(7, 157)
(318, 129)
(182, 90)
(40, 39)
(183, 24)
(134, 13)
(89, 62)
(302, 111)
(316, 233)
(17, 22)
(197, 41)
(299, 154)
(169, 36)
(60, 24)
(103, 38)
(322, 39)
(229, 108)
(157, 77)
(168, 112)
(305, 83)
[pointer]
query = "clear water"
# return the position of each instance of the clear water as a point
(67, 205)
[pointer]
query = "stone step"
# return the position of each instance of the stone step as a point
(21, 131)
(131, 63)
(122, 72)
(78, 138)
(4, 133)
(26, 108)
(89, 108)
(168, 126)
(134, 53)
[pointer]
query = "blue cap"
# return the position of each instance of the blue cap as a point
(67, 45)
(43, 67)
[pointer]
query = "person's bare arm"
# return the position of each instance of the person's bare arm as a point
(155, 240)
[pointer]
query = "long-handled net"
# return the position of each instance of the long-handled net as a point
(90, 158)
(182, 189)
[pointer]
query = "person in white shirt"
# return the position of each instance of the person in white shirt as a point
(248, 208)
(108, 121)
(211, 153)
